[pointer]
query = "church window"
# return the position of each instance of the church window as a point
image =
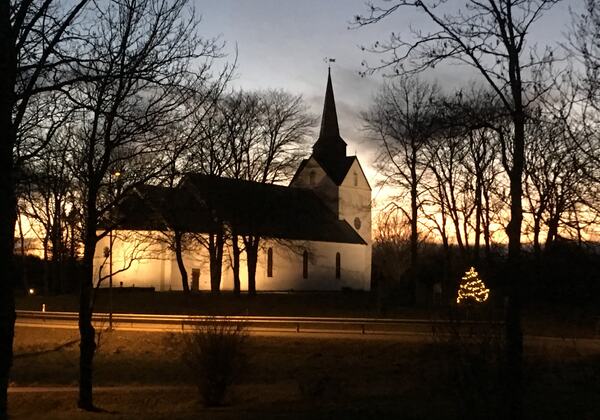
(305, 265)
(355, 179)
(270, 262)
(312, 177)
(338, 265)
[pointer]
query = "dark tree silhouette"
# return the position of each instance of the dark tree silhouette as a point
(265, 132)
(141, 63)
(402, 121)
(490, 37)
(31, 62)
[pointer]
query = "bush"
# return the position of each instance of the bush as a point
(214, 352)
(471, 347)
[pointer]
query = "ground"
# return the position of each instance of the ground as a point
(141, 375)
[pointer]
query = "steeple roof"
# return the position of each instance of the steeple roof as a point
(329, 121)
(330, 147)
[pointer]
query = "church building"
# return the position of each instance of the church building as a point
(315, 233)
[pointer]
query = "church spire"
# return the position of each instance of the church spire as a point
(330, 147)
(329, 121)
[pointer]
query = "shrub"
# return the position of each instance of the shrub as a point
(472, 352)
(214, 352)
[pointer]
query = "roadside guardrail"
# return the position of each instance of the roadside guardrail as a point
(254, 323)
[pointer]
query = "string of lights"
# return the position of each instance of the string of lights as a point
(472, 288)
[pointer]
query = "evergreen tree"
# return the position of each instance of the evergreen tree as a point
(472, 289)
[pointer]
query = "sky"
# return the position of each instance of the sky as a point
(282, 44)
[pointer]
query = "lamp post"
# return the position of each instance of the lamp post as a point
(116, 174)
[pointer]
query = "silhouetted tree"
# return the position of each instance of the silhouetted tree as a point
(271, 155)
(490, 37)
(32, 60)
(402, 120)
(141, 62)
(584, 40)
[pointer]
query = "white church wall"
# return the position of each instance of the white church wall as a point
(287, 273)
(155, 265)
(355, 209)
(137, 260)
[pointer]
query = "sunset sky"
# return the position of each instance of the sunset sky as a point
(282, 44)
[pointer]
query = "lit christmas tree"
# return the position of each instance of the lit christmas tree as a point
(472, 288)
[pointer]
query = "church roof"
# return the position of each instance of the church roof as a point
(150, 207)
(202, 202)
(335, 170)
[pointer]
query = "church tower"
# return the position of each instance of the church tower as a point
(337, 179)
(330, 148)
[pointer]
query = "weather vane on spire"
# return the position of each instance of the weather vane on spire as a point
(329, 60)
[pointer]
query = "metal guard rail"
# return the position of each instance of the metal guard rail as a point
(266, 322)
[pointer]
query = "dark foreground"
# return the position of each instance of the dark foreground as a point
(141, 376)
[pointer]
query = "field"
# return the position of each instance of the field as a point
(141, 375)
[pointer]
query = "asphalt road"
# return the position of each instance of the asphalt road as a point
(356, 328)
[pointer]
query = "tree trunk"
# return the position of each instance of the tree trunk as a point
(537, 227)
(7, 300)
(8, 201)
(236, 264)
(552, 232)
(215, 251)
(46, 273)
(58, 248)
(486, 228)
(87, 333)
(24, 272)
(478, 216)
(179, 257)
(414, 232)
(514, 335)
(251, 245)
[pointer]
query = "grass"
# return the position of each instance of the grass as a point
(290, 377)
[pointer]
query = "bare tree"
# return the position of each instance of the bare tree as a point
(490, 37)
(584, 40)
(255, 136)
(232, 132)
(402, 120)
(141, 63)
(31, 62)
(46, 191)
(391, 253)
(199, 147)
(470, 147)
(270, 154)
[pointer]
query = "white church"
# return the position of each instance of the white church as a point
(315, 233)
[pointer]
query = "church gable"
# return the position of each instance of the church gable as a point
(311, 174)
(355, 177)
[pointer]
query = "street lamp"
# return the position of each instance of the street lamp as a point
(115, 174)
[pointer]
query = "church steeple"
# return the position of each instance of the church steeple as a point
(329, 121)
(330, 146)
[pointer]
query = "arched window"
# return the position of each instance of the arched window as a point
(305, 265)
(338, 265)
(312, 177)
(270, 262)
(355, 179)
